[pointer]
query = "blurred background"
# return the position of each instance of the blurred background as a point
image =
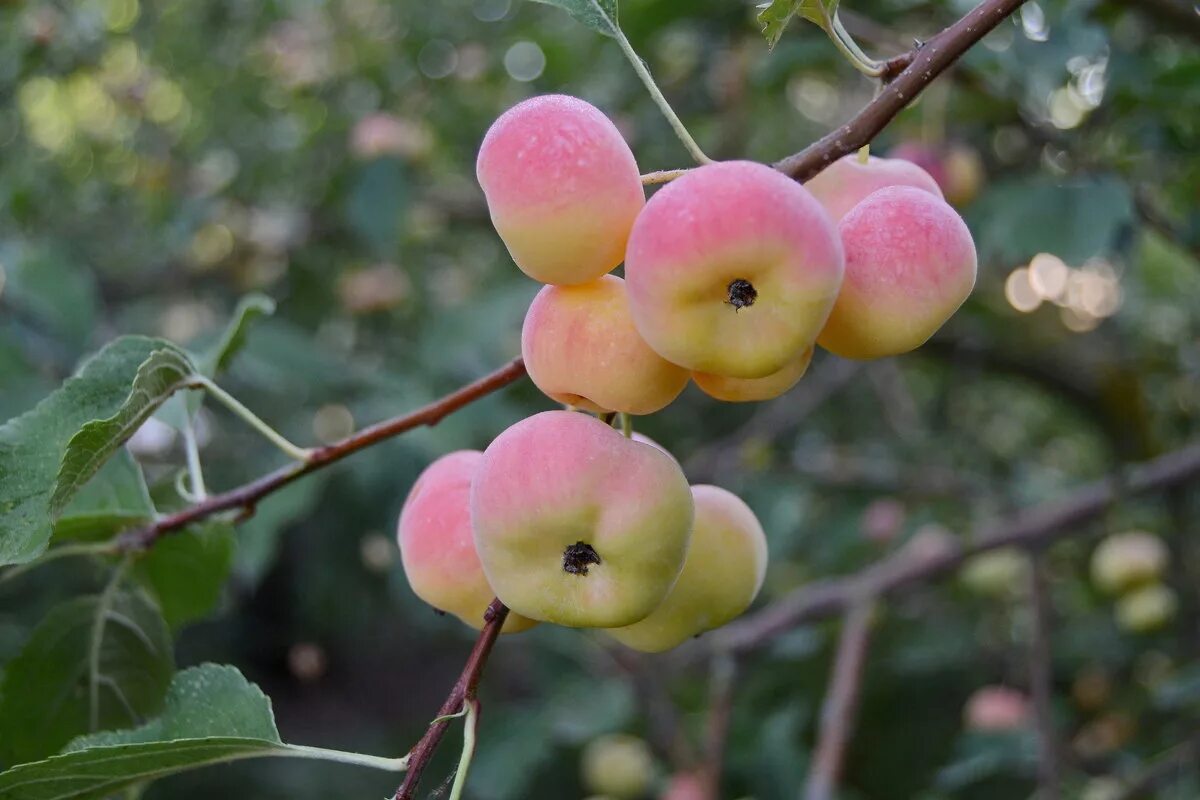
(161, 158)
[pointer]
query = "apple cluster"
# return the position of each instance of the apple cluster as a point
(733, 274)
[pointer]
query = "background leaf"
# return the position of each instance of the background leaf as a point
(32, 445)
(599, 15)
(250, 309)
(187, 570)
(44, 700)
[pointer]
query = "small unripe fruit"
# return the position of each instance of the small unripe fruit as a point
(998, 573)
(910, 263)
(724, 570)
(1146, 609)
(581, 348)
(577, 525)
(748, 390)
(437, 547)
(847, 182)
(965, 174)
(1126, 560)
(617, 765)
(997, 708)
(562, 188)
(732, 270)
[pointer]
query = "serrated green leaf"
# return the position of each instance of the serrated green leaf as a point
(115, 499)
(32, 445)
(186, 571)
(250, 308)
(163, 373)
(599, 15)
(775, 15)
(45, 697)
(211, 715)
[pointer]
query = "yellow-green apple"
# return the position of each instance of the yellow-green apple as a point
(1125, 560)
(997, 573)
(617, 765)
(562, 188)
(576, 524)
(732, 270)
(581, 348)
(725, 567)
(1146, 608)
(437, 547)
(846, 182)
(746, 390)
(910, 263)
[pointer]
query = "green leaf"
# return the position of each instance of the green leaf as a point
(599, 15)
(186, 571)
(163, 373)
(32, 445)
(115, 499)
(775, 15)
(251, 308)
(212, 715)
(45, 700)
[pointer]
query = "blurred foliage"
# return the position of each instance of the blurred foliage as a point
(162, 159)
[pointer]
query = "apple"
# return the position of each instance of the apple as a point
(848, 181)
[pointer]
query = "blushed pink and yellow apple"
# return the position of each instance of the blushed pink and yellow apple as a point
(910, 263)
(846, 182)
(747, 390)
(732, 270)
(724, 570)
(577, 525)
(581, 348)
(437, 547)
(562, 188)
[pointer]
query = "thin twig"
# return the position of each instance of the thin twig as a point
(722, 683)
(464, 689)
(841, 704)
(246, 496)
(1180, 760)
(1041, 679)
(907, 76)
(1039, 525)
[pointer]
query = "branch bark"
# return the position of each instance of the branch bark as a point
(245, 497)
(1041, 668)
(841, 704)
(907, 75)
(1039, 525)
(464, 689)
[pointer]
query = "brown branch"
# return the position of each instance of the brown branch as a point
(841, 704)
(907, 75)
(245, 497)
(464, 689)
(1039, 525)
(720, 711)
(1180, 760)
(1041, 679)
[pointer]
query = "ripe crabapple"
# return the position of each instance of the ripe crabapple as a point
(848, 181)
(617, 765)
(686, 786)
(724, 570)
(732, 270)
(1126, 560)
(745, 390)
(437, 548)
(581, 348)
(997, 708)
(957, 167)
(910, 263)
(562, 188)
(577, 525)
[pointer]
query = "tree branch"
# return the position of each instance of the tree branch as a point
(1041, 679)
(722, 684)
(464, 689)
(245, 497)
(907, 75)
(841, 704)
(1039, 525)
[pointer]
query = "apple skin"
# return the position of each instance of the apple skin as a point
(437, 547)
(847, 182)
(725, 568)
(560, 483)
(732, 270)
(581, 349)
(618, 766)
(562, 188)
(910, 264)
(1126, 560)
(749, 390)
